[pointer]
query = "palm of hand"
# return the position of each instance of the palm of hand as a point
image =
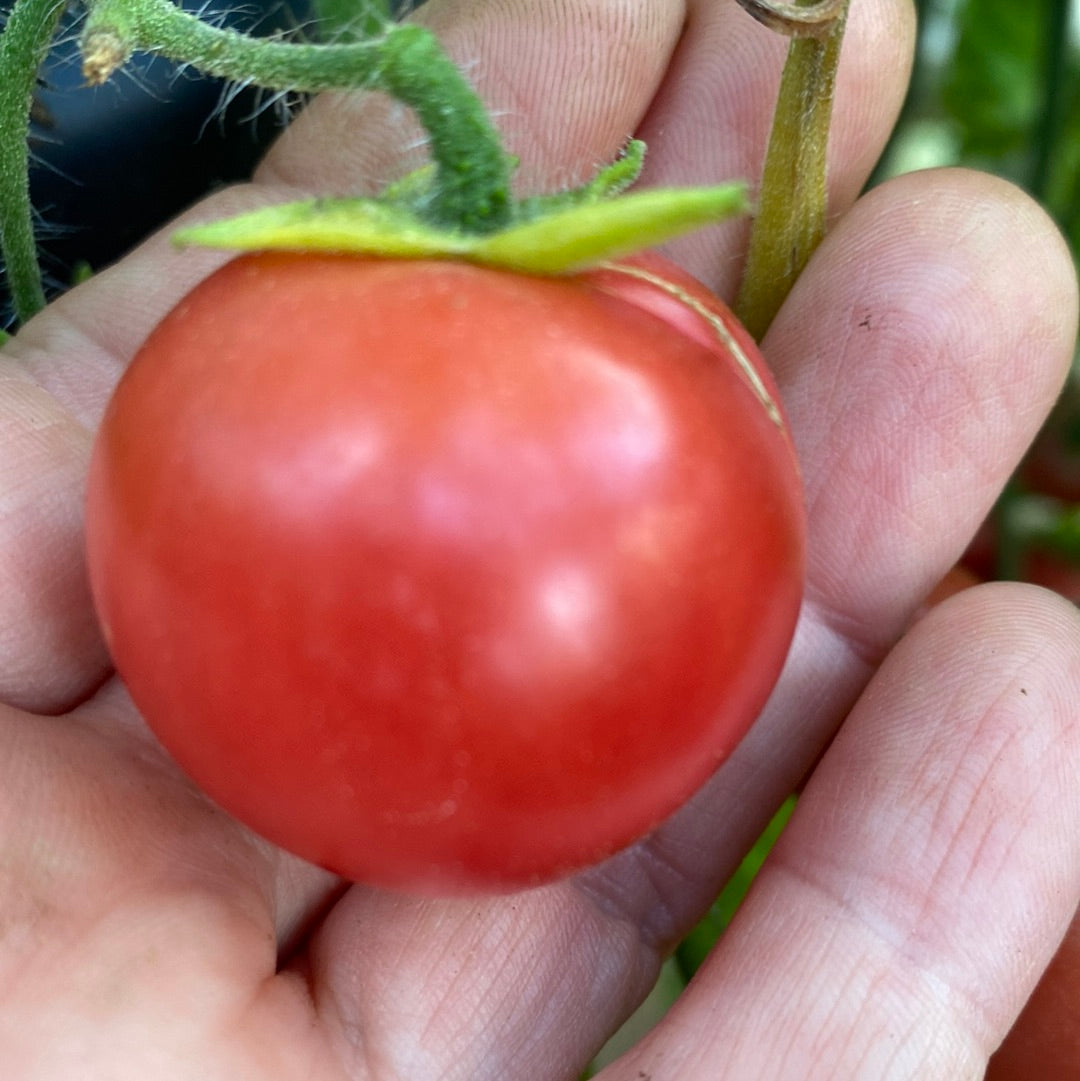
(144, 934)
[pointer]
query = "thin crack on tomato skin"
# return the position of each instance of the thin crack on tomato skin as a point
(723, 333)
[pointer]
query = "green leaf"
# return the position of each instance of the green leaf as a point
(1013, 96)
(560, 242)
(1062, 193)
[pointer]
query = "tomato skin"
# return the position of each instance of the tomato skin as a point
(442, 577)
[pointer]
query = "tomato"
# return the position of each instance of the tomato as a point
(444, 577)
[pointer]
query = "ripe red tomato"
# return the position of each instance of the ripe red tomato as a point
(445, 577)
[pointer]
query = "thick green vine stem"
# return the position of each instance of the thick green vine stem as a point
(24, 42)
(471, 188)
(790, 221)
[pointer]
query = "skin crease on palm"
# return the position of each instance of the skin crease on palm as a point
(933, 864)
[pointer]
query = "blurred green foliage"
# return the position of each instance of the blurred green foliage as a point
(992, 88)
(997, 86)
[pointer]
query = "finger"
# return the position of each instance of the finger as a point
(712, 115)
(489, 988)
(55, 378)
(917, 360)
(567, 82)
(926, 877)
(50, 648)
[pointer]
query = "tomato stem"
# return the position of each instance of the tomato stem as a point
(792, 200)
(24, 42)
(472, 185)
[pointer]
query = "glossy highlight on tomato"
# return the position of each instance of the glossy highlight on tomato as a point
(443, 577)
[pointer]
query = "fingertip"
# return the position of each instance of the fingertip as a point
(1006, 619)
(1005, 234)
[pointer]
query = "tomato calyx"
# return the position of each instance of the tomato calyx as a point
(460, 206)
(561, 233)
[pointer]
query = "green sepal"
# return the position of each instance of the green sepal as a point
(611, 180)
(560, 241)
(330, 225)
(577, 237)
(415, 190)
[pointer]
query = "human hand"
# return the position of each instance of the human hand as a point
(931, 867)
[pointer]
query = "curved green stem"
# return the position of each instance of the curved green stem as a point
(790, 220)
(24, 43)
(472, 185)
